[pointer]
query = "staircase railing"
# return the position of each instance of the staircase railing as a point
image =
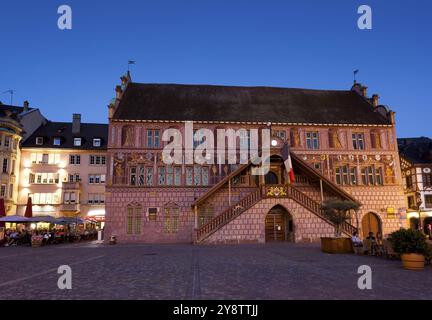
(315, 207)
(274, 191)
(228, 215)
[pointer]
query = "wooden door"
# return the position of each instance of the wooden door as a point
(275, 228)
(271, 178)
(370, 223)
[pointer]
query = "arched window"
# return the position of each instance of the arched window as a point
(134, 218)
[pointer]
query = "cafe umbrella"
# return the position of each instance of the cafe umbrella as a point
(14, 219)
(2, 212)
(47, 219)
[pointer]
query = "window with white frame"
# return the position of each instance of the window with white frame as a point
(77, 142)
(57, 141)
(44, 178)
(7, 141)
(70, 197)
(39, 141)
(96, 198)
(45, 158)
(358, 141)
(3, 190)
(372, 175)
(97, 142)
(5, 168)
(74, 177)
(153, 138)
(312, 140)
(97, 160)
(74, 159)
(96, 178)
(44, 198)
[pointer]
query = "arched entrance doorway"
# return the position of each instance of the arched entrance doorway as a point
(371, 223)
(279, 225)
(426, 222)
(414, 223)
(271, 178)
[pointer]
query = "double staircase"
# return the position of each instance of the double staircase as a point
(267, 191)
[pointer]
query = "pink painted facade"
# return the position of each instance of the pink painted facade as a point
(143, 207)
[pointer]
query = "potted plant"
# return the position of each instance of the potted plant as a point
(36, 240)
(411, 245)
(338, 212)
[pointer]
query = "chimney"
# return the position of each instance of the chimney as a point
(119, 92)
(76, 123)
(375, 99)
(359, 88)
(26, 106)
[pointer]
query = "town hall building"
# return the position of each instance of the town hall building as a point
(342, 145)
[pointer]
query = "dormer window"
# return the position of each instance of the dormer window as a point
(57, 141)
(77, 142)
(39, 141)
(97, 142)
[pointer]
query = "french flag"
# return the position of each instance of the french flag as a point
(287, 161)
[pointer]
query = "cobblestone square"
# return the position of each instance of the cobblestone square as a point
(144, 271)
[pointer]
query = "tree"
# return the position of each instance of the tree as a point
(338, 212)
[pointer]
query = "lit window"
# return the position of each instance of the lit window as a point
(57, 141)
(152, 214)
(97, 142)
(77, 142)
(7, 142)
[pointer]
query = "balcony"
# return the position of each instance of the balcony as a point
(71, 185)
(71, 207)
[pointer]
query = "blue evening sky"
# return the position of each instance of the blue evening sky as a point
(301, 44)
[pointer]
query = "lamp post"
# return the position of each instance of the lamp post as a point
(419, 203)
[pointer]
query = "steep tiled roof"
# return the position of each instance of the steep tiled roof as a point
(416, 150)
(228, 103)
(63, 130)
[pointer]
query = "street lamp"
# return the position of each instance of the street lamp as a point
(419, 203)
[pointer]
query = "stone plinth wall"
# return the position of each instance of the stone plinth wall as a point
(250, 225)
(377, 200)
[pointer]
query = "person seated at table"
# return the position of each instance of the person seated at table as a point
(357, 243)
(46, 237)
(14, 236)
(373, 241)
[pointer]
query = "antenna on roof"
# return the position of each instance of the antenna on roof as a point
(11, 92)
(355, 72)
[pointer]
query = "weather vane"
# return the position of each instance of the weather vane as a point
(355, 73)
(130, 62)
(11, 92)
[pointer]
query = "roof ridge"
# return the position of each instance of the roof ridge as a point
(234, 86)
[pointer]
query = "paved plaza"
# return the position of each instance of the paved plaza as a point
(271, 271)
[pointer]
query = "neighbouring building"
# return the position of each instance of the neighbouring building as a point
(416, 165)
(343, 145)
(63, 169)
(16, 124)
